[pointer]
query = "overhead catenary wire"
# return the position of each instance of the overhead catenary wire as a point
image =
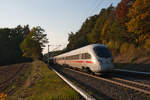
(97, 4)
(91, 7)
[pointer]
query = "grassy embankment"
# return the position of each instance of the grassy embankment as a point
(44, 84)
(133, 59)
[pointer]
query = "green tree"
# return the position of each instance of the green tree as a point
(95, 35)
(10, 39)
(79, 39)
(33, 44)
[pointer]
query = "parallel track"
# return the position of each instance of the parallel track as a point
(136, 86)
(5, 84)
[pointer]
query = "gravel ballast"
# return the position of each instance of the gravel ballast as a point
(101, 89)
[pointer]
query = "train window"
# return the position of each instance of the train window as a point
(78, 56)
(102, 52)
(73, 57)
(83, 56)
(70, 57)
(86, 56)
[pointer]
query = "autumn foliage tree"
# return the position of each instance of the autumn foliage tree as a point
(124, 29)
(139, 22)
(122, 10)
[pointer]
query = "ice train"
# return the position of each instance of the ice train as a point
(95, 58)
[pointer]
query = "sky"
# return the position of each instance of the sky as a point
(56, 17)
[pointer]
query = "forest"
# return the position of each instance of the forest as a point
(21, 44)
(124, 29)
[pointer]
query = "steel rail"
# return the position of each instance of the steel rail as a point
(132, 82)
(79, 90)
(131, 71)
(113, 82)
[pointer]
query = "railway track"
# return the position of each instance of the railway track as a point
(12, 78)
(135, 86)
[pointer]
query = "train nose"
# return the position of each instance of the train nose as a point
(106, 64)
(107, 67)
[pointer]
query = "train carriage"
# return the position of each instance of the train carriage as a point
(95, 57)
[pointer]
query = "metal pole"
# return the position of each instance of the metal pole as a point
(48, 55)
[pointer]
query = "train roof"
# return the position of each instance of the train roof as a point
(80, 50)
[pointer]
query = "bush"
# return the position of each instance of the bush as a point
(147, 44)
(131, 49)
(113, 45)
(124, 48)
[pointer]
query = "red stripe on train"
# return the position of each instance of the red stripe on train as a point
(82, 61)
(89, 62)
(78, 61)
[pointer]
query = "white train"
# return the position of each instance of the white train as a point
(95, 57)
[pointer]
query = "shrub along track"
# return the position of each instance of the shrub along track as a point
(11, 77)
(117, 88)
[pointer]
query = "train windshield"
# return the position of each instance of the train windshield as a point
(102, 52)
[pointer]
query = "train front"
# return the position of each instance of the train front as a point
(104, 58)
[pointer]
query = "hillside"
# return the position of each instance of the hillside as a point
(124, 29)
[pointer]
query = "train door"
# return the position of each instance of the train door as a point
(87, 60)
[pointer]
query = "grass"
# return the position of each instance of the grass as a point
(44, 84)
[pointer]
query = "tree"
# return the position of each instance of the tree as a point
(139, 21)
(10, 39)
(96, 33)
(80, 39)
(33, 44)
(122, 10)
